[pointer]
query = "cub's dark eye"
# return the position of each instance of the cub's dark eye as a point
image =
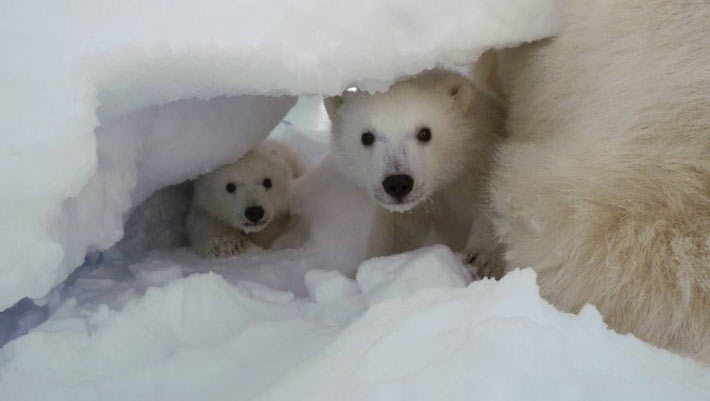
(424, 135)
(231, 187)
(266, 183)
(367, 138)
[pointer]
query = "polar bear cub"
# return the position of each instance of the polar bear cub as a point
(423, 150)
(243, 203)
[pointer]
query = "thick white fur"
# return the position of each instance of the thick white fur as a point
(216, 224)
(448, 171)
(604, 184)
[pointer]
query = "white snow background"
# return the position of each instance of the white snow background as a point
(103, 103)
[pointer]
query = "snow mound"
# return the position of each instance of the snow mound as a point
(491, 341)
(429, 267)
(196, 338)
(207, 337)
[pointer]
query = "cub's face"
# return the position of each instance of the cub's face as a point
(405, 144)
(247, 194)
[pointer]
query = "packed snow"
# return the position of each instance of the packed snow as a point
(392, 334)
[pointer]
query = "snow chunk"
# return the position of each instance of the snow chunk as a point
(338, 298)
(326, 287)
(405, 274)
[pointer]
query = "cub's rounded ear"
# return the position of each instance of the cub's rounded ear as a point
(459, 88)
(291, 159)
(332, 104)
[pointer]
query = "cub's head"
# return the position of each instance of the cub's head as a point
(248, 194)
(405, 144)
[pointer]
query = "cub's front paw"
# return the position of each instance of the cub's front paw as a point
(484, 263)
(221, 247)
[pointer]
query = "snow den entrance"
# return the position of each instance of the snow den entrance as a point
(69, 68)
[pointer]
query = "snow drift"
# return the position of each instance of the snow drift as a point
(203, 337)
(67, 67)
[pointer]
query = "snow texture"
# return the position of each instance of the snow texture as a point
(143, 71)
(215, 338)
(382, 278)
(490, 341)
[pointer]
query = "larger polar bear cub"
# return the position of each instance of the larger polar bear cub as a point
(604, 186)
(422, 150)
(247, 202)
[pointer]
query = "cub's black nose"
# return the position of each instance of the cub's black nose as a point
(398, 185)
(254, 213)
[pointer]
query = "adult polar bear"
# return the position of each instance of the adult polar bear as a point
(604, 184)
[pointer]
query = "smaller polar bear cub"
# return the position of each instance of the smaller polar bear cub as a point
(243, 203)
(423, 151)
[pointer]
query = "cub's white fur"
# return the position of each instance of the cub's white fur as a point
(604, 185)
(218, 226)
(447, 171)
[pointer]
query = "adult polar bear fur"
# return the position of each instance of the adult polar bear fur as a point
(604, 184)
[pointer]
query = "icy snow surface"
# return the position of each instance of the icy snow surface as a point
(68, 66)
(212, 337)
